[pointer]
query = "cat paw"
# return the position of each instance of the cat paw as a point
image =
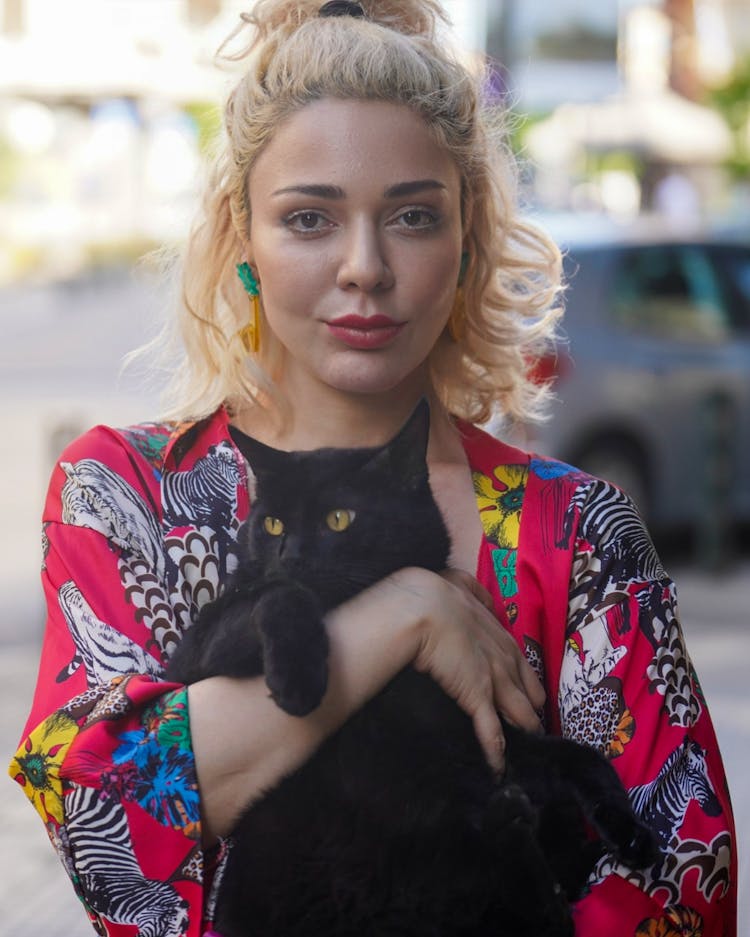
(629, 840)
(298, 688)
(295, 648)
(642, 849)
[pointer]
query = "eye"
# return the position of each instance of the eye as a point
(417, 218)
(339, 519)
(307, 222)
(273, 526)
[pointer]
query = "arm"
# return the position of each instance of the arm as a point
(105, 734)
(626, 677)
(413, 616)
(121, 751)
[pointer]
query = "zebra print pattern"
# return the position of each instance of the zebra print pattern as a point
(104, 652)
(206, 494)
(662, 803)
(111, 879)
(609, 519)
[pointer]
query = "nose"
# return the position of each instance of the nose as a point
(290, 549)
(363, 265)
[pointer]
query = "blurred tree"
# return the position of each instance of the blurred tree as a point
(732, 100)
(207, 118)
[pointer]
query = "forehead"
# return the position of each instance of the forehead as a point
(337, 142)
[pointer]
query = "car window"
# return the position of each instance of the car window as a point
(733, 267)
(669, 291)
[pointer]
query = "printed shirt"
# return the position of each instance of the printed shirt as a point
(140, 527)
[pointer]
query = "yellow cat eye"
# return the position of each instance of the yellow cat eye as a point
(273, 526)
(339, 519)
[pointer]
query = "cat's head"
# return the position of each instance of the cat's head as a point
(340, 519)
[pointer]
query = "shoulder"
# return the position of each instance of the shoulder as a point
(147, 449)
(485, 451)
(571, 507)
(128, 464)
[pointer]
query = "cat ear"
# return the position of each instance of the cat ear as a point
(405, 456)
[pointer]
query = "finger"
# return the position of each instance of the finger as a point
(461, 578)
(489, 732)
(515, 705)
(533, 686)
(520, 670)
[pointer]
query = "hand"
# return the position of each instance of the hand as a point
(473, 658)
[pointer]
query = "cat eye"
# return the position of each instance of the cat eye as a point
(339, 519)
(273, 526)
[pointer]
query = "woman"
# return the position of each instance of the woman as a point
(365, 200)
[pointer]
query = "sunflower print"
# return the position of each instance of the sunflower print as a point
(677, 921)
(36, 765)
(500, 499)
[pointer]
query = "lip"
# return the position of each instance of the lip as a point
(366, 323)
(364, 332)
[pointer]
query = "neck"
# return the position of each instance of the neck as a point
(328, 418)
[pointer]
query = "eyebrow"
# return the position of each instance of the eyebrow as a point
(336, 192)
(317, 191)
(412, 188)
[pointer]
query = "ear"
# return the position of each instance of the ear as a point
(406, 454)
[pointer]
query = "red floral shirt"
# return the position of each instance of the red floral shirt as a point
(140, 527)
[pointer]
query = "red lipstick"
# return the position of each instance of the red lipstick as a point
(364, 332)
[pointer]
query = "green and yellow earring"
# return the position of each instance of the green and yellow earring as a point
(457, 318)
(250, 334)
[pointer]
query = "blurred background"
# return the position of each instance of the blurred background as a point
(631, 123)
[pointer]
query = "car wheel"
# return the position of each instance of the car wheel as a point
(621, 462)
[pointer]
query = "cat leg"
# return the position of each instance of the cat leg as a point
(534, 902)
(222, 642)
(606, 805)
(561, 775)
(295, 647)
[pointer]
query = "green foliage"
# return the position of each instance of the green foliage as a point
(615, 160)
(207, 118)
(732, 100)
(518, 126)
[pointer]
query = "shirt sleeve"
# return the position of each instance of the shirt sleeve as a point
(106, 756)
(627, 686)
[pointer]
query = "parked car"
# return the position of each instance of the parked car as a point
(653, 383)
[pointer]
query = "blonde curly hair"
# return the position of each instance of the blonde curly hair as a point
(396, 54)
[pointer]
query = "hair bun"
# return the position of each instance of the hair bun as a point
(342, 8)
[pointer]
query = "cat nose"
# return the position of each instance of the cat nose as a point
(289, 549)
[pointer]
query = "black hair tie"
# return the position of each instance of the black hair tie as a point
(341, 8)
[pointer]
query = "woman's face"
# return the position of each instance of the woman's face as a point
(355, 233)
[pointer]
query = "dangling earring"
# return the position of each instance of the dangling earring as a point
(250, 334)
(457, 318)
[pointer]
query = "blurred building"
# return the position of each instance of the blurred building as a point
(105, 106)
(619, 93)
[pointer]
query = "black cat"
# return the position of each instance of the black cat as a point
(396, 826)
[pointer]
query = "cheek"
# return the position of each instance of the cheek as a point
(290, 283)
(435, 274)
